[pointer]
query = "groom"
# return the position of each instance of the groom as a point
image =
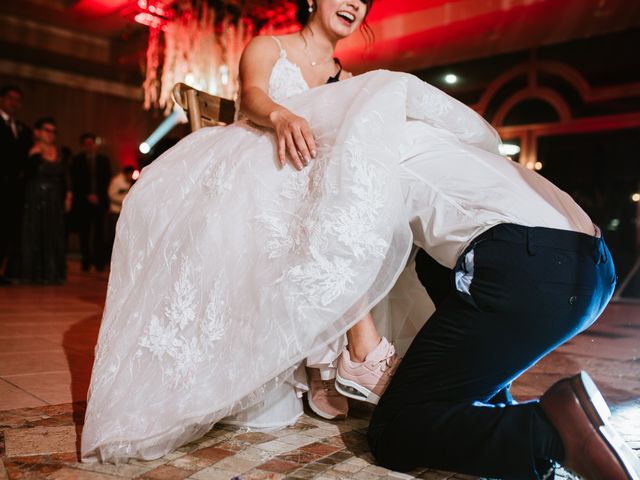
(525, 270)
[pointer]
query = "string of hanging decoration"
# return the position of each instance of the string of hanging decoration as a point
(199, 42)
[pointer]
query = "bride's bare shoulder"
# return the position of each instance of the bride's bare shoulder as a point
(258, 57)
(288, 37)
(262, 45)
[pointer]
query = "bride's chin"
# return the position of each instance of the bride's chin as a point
(342, 31)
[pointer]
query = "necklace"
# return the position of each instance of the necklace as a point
(314, 63)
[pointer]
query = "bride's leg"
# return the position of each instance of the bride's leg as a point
(323, 397)
(367, 364)
(363, 337)
(362, 377)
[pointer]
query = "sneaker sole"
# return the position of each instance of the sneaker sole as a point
(322, 414)
(598, 412)
(356, 391)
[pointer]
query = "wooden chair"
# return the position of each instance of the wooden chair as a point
(203, 109)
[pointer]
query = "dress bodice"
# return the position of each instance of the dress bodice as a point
(286, 78)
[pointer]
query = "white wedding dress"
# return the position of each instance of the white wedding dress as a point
(229, 271)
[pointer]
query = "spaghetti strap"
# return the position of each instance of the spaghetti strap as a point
(283, 52)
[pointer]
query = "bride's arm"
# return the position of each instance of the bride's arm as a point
(293, 134)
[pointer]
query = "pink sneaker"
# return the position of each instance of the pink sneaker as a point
(368, 380)
(323, 397)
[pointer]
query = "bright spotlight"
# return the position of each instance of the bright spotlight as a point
(135, 175)
(450, 78)
(538, 166)
(635, 197)
(509, 149)
(164, 128)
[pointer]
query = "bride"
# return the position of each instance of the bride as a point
(246, 252)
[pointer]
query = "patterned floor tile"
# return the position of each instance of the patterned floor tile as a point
(167, 472)
(279, 466)
(66, 473)
(39, 441)
(214, 454)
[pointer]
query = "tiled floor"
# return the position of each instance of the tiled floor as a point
(47, 335)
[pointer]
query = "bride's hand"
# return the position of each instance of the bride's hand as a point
(294, 138)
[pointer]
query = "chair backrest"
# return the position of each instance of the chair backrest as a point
(203, 109)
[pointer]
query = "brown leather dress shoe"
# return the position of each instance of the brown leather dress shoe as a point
(593, 449)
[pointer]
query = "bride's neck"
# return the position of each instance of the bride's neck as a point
(317, 39)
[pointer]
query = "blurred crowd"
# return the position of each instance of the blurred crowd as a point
(48, 193)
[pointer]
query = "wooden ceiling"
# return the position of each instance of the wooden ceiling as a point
(410, 35)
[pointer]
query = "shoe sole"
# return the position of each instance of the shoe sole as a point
(596, 409)
(356, 391)
(322, 414)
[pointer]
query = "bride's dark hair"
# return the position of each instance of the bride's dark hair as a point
(303, 15)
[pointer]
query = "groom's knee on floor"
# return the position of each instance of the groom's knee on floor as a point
(383, 447)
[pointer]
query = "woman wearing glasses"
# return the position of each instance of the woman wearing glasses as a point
(46, 200)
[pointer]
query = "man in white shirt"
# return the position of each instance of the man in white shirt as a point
(118, 189)
(524, 270)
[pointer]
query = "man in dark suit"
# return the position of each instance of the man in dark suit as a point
(90, 177)
(15, 141)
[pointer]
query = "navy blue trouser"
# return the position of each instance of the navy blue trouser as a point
(531, 290)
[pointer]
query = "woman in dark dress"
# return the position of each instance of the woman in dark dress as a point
(46, 199)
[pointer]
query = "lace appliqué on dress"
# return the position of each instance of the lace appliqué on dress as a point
(437, 108)
(355, 225)
(327, 275)
(286, 79)
(431, 103)
(171, 340)
(218, 179)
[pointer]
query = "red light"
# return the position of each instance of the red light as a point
(160, 11)
(148, 20)
(151, 14)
